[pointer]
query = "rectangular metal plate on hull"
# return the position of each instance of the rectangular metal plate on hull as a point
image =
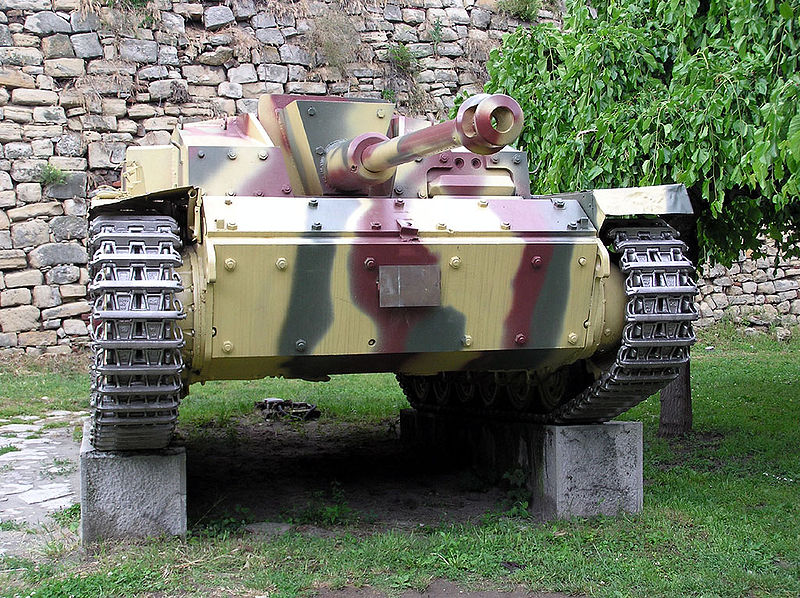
(410, 286)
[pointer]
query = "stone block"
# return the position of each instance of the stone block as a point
(49, 114)
(20, 56)
(52, 254)
(74, 327)
(26, 278)
(74, 187)
(66, 311)
(8, 339)
(216, 17)
(104, 154)
(138, 50)
(12, 259)
(291, 54)
(57, 46)
(72, 291)
(46, 296)
(29, 234)
(10, 132)
(34, 97)
(217, 57)
(84, 22)
(131, 494)
(7, 199)
(65, 274)
(4, 222)
(18, 319)
(86, 45)
(64, 67)
(13, 297)
(198, 74)
(5, 239)
(245, 73)
(570, 471)
(26, 171)
(173, 23)
(37, 338)
(46, 22)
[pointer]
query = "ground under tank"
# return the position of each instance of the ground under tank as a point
(329, 235)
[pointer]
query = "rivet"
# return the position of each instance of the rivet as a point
(286, 189)
(520, 339)
(354, 168)
(483, 203)
(443, 158)
(572, 225)
(281, 263)
(320, 150)
(316, 226)
(311, 111)
(228, 202)
(201, 154)
(230, 264)
(421, 194)
(455, 262)
(495, 159)
(227, 346)
(313, 203)
(536, 262)
(399, 202)
(381, 113)
(259, 193)
(300, 345)
(517, 159)
(263, 155)
(607, 332)
(466, 340)
(375, 225)
(558, 203)
(398, 188)
(232, 155)
(419, 159)
(369, 263)
(587, 324)
(230, 193)
(505, 226)
(442, 226)
(232, 225)
(582, 261)
(572, 338)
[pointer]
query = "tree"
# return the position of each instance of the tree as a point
(645, 92)
(705, 93)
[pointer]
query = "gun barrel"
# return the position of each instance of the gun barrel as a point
(484, 125)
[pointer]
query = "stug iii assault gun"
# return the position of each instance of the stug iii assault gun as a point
(330, 236)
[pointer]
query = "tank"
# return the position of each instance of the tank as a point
(327, 236)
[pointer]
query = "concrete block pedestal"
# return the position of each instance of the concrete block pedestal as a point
(570, 471)
(131, 495)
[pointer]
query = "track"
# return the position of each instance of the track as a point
(136, 382)
(655, 343)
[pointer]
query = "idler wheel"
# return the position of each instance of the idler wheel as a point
(490, 391)
(521, 391)
(442, 389)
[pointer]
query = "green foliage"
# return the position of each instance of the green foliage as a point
(69, 517)
(402, 59)
(8, 448)
(526, 10)
(703, 93)
(52, 175)
(436, 34)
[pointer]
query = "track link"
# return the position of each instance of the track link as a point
(136, 375)
(656, 337)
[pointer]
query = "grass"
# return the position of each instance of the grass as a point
(8, 448)
(720, 513)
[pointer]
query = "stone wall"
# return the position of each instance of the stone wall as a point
(80, 81)
(753, 292)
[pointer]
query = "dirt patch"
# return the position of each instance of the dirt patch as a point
(324, 473)
(439, 589)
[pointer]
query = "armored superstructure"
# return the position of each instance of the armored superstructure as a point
(329, 236)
